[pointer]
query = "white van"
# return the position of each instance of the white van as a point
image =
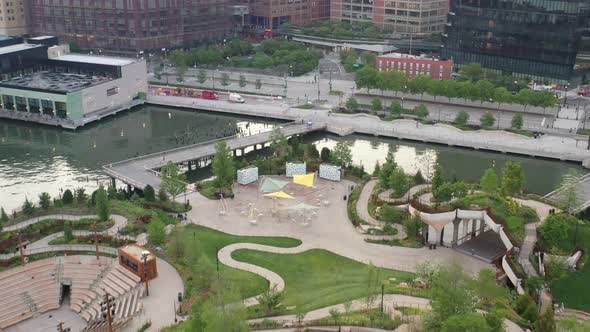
(236, 98)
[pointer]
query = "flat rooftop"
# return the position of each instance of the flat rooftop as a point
(52, 81)
(409, 56)
(42, 37)
(136, 251)
(17, 48)
(96, 59)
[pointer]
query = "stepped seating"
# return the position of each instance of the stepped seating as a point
(83, 275)
(27, 291)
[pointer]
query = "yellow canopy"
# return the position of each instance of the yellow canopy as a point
(279, 194)
(304, 180)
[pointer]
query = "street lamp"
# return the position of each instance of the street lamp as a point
(144, 256)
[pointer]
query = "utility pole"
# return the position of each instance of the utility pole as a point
(318, 82)
(21, 249)
(144, 256)
(95, 241)
(108, 310)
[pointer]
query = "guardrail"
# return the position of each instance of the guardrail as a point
(61, 247)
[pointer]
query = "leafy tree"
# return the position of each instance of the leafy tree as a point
(426, 272)
(149, 193)
(342, 154)
(81, 196)
(517, 121)
(570, 323)
(395, 109)
(484, 90)
(202, 76)
(335, 315)
(156, 231)
(271, 299)
(462, 119)
(512, 178)
(376, 105)
(102, 204)
(419, 178)
(352, 105)
(366, 78)
(393, 80)
(373, 281)
(311, 152)
(436, 88)
(242, 81)
(465, 89)
(467, 322)
(546, 322)
(502, 95)
(399, 182)
(44, 201)
(525, 97)
(489, 181)
(421, 111)
(419, 84)
(555, 269)
(487, 289)
(390, 214)
(224, 311)
(28, 207)
(158, 72)
(450, 89)
(3, 217)
(451, 293)
(258, 84)
(162, 195)
(68, 234)
(224, 79)
(279, 144)
(180, 72)
(555, 229)
(223, 165)
(437, 178)
(173, 181)
(569, 194)
(471, 71)
(495, 320)
(487, 120)
(325, 154)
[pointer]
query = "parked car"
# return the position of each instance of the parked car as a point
(236, 98)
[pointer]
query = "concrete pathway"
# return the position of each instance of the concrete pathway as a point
(386, 195)
(362, 209)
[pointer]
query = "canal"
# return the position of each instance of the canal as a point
(35, 159)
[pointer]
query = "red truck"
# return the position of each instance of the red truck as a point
(211, 95)
(584, 91)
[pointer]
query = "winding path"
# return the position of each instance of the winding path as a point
(362, 209)
(385, 195)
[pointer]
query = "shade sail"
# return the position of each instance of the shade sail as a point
(304, 179)
(270, 185)
(279, 194)
(303, 206)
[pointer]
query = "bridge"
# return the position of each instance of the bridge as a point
(142, 171)
(582, 194)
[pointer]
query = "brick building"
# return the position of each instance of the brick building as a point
(273, 13)
(404, 17)
(132, 25)
(13, 17)
(413, 65)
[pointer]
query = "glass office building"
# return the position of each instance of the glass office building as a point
(526, 38)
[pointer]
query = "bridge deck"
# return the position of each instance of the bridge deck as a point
(139, 172)
(582, 192)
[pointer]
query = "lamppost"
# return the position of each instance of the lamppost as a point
(402, 103)
(144, 256)
(108, 310)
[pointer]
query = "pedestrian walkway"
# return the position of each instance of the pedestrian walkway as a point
(362, 209)
(386, 195)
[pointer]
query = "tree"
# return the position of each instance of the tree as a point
(158, 72)
(68, 234)
(173, 182)
(270, 299)
(487, 120)
(555, 229)
(162, 195)
(3, 217)
(421, 112)
(471, 71)
(373, 282)
(399, 182)
(202, 76)
(28, 207)
(352, 105)
(484, 90)
(342, 154)
(569, 194)
(525, 97)
(224, 79)
(156, 231)
(465, 89)
(502, 95)
(419, 178)
(366, 78)
(452, 294)
(426, 273)
(376, 105)
(325, 154)
(419, 84)
(242, 81)
(335, 314)
(224, 311)
(149, 194)
(487, 289)
(311, 152)
(495, 320)
(512, 178)
(223, 165)
(102, 204)
(44, 201)
(279, 144)
(450, 89)
(395, 109)
(390, 214)
(258, 84)
(570, 323)
(516, 122)
(437, 178)
(489, 181)
(467, 322)
(180, 71)
(462, 119)
(81, 196)
(436, 88)
(546, 322)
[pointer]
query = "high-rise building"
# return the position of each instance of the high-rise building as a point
(403, 17)
(538, 39)
(271, 14)
(13, 17)
(132, 25)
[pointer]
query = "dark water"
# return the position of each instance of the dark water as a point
(35, 158)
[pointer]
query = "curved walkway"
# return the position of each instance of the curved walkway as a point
(385, 195)
(362, 209)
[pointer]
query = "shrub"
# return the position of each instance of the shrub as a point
(68, 197)
(44, 201)
(390, 214)
(28, 207)
(162, 195)
(149, 193)
(325, 154)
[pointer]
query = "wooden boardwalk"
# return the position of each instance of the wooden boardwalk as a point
(141, 171)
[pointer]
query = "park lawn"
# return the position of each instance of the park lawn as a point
(210, 241)
(318, 278)
(574, 289)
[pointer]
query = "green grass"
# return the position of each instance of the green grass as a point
(318, 278)
(574, 289)
(209, 241)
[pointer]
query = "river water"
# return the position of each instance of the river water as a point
(34, 158)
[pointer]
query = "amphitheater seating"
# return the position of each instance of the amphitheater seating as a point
(28, 290)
